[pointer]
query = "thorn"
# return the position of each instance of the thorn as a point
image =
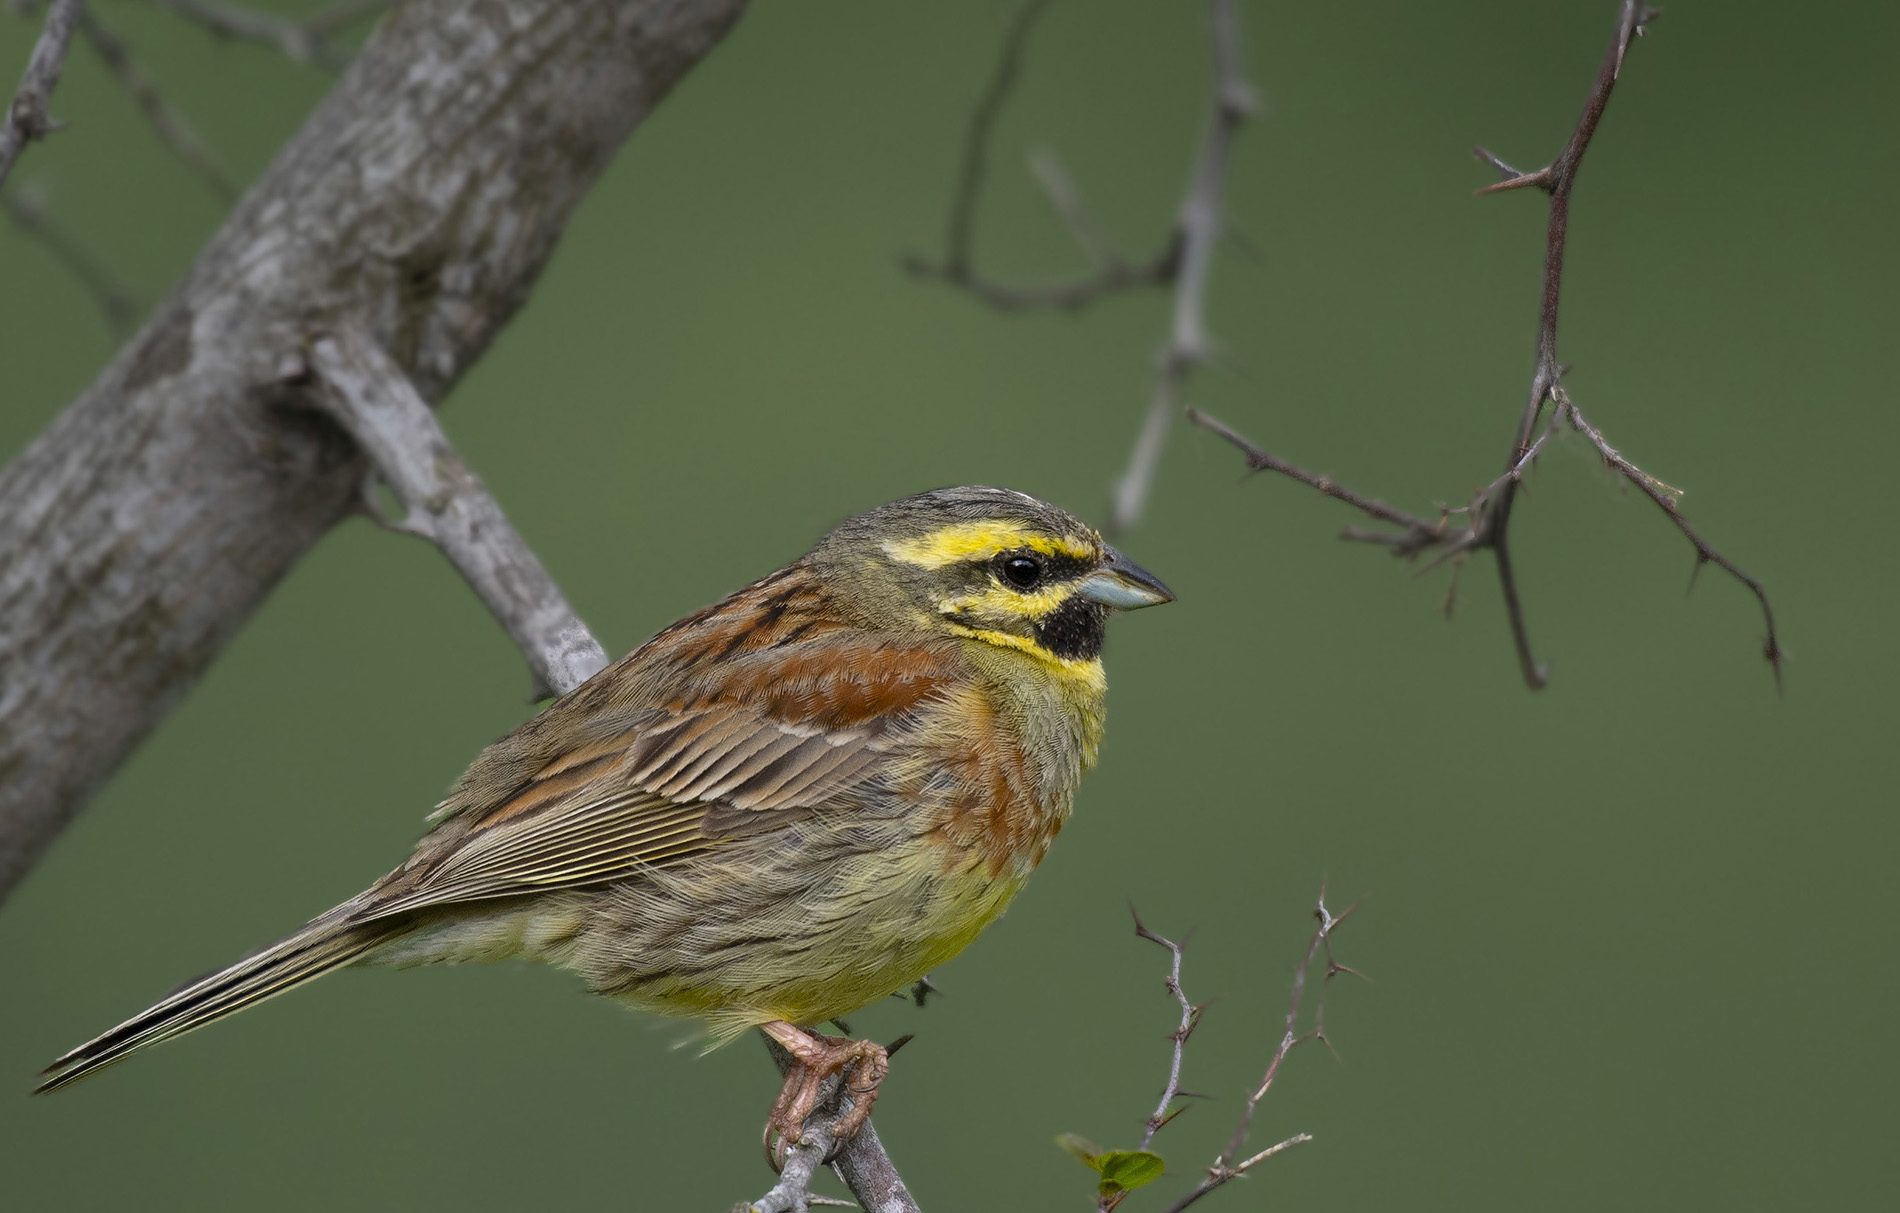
(1542, 179)
(923, 988)
(890, 1050)
(841, 1025)
(1701, 558)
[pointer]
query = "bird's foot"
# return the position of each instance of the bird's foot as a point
(860, 1065)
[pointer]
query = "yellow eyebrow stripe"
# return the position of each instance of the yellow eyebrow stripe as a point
(966, 541)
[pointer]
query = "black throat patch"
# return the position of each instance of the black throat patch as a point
(1074, 630)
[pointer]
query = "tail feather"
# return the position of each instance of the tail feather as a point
(324, 945)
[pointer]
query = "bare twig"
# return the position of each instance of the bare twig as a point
(29, 212)
(171, 128)
(1228, 1165)
(1113, 272)
(861, 1164)
(1198, 229)
(1557, 179)
(304, 41)
(1190, 1019)
(1488, 513)
(1665, 499)
(1182, 263)
(27, 118)
(366, 392)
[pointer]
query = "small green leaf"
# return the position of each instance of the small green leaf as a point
(1126, 1170)
(1081, 1147)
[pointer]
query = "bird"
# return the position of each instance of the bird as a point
(780, 809)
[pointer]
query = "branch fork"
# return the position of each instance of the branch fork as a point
(1229, 1164)
(1488, 513)
(1182, 263)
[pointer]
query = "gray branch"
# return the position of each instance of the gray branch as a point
(1197, 229)
(365, 392)
(1183, 264)
(862, 1164)
(27, 118)
(417, 206)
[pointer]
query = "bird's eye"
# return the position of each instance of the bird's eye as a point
(1023, 572)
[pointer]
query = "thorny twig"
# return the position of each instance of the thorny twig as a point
(1190, 1019)
(27, 118)
(1488, 513)
(307, 41)
(1228, 1165)
(1183, 262)
(170, 126)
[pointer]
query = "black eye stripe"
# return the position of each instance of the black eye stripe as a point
(1056, 566)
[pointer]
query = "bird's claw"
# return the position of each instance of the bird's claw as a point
(860, 1065)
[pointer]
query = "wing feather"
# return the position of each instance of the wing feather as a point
(794, 729)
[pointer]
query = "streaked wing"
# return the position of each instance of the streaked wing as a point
(805, 731)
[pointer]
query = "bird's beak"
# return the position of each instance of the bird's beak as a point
(1124, 585)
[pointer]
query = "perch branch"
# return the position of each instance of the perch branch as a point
(27, 117)
(1488, 513)
(862, 1163)
(364, 390)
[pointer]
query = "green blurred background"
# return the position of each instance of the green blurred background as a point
(1630, 938)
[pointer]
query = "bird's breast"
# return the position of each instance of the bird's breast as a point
(1005, 756)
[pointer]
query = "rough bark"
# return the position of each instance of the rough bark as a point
(417, 206)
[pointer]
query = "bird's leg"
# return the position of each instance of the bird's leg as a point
(861, 1065)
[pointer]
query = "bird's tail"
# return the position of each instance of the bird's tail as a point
(329, 942)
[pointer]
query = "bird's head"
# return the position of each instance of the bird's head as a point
(986, 564)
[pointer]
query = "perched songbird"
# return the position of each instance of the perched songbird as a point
(780, 809)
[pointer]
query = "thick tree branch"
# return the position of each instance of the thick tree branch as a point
(363, 390)
(417, 206)
(27, 117)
